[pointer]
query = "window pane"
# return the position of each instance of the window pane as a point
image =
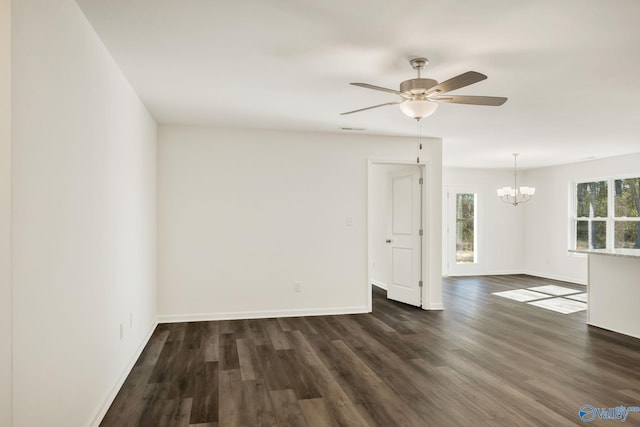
(582, 235)
(591, 199)
(627, 200)
(627, 234)
(599, 234)
(596, 234)
(465, 224)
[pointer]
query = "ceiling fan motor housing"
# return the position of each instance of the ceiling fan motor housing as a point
(417, 86)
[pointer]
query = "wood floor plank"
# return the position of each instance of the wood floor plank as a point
(176, 413)
(164, 368)
(186, 363)
(287, 409)
(152, 350)
(255, 405)
(210, 342)
(301, 375)
(277, 335)
(122, 412)
(228, 352)
(340, 407)
(230, 392)
(483, 361)
(154, 401)
(373, 394)
(324, 327)
(272, 369)
(248, 360)
(257, 332)
(206, 399)
(316, 413)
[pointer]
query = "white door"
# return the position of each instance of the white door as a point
(404, 236)
(465, 256)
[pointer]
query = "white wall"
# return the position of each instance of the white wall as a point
(5, 213)
(503, 224)
(83, 218)
(243, 215)
(547, 218)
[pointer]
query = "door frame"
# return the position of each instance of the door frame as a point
(430, 263)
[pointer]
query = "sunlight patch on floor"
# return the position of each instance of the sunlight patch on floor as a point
(547, 297)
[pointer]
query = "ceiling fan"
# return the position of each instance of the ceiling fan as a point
(420, 97)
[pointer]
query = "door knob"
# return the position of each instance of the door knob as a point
(389, 240)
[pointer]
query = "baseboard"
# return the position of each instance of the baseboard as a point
(202, 317)
(554, 277)
(534, 274)
(116, 388)
(504, 272)
(433, 307)
(379, 284)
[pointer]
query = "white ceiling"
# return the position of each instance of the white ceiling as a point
(569, 68)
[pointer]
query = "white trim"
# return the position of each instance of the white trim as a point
(379, 284)
(241, 315)
(504, 272)
(118, 385)
(469, 274)
(433, 307)
(588, 290)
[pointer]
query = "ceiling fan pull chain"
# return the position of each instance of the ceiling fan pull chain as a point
(419, 140)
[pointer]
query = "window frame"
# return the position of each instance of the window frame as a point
(610, 219)
(475, 226)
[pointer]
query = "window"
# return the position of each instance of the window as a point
(591, 212)
(465, 228)
(627, 216)
(607, 214)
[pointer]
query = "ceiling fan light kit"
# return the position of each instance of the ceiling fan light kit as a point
(420, 96)
(418, 109)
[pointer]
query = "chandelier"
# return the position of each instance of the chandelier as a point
(514, 195)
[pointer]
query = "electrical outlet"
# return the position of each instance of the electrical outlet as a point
(349, 221)
(297, 287)
(121, 331)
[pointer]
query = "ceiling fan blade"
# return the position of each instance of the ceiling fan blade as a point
(464, 79)
(369, 108)
(383, 89)
(493, 101)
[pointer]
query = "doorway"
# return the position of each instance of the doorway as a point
(396, 222)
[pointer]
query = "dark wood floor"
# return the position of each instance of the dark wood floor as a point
(485, 360)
